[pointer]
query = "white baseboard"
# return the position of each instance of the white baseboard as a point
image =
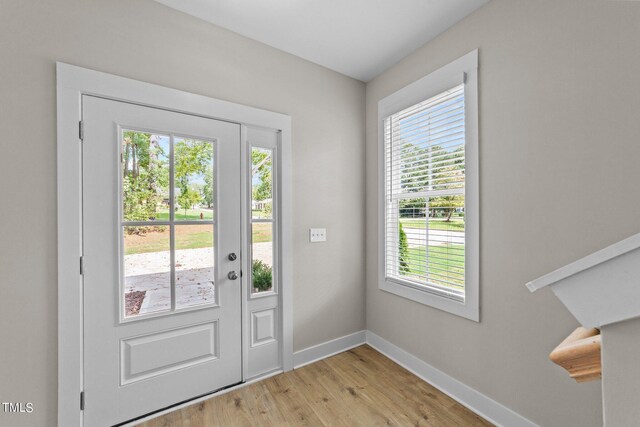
(326, 349)
(482, 405)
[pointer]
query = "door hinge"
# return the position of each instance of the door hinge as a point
(82, 400)
(81, 265)
(81, 130)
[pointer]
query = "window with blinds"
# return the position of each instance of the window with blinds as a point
(425, 195)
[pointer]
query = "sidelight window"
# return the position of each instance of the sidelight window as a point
(263, 221)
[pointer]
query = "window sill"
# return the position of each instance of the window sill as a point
(466, 309)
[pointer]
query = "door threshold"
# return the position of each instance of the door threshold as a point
(175, 406)
(197, 399)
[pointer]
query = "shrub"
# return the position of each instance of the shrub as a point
(267, 209)
(403, 252)
(261, 275)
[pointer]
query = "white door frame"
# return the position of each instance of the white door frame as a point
(72, 83)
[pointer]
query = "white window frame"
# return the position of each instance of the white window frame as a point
(464, 69)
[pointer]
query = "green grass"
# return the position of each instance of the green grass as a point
(260, 214)
(187, 237)
(261, 232)
(441, 259)
(191, 214)
(193, 240)
(150, 242)
(456, 224)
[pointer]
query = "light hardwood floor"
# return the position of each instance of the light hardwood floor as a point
(359, 387)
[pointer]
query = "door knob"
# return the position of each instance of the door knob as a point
(232, 256)
(232, 275)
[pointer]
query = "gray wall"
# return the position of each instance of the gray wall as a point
(147, 41)
(559, 128)
(559, 97)
(621, 373)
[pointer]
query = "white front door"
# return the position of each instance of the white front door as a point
(161, 256)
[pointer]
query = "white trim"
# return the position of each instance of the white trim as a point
(464, 69)
(603, 255)
(72, 83)
(244, 248)
(69, 112)
(97, 83)
(601, 288)
(327, 349)
(203, 398)
(482, 405)
(286, 245)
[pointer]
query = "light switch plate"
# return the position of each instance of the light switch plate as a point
(317, 235)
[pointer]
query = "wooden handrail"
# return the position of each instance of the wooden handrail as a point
(579, 354)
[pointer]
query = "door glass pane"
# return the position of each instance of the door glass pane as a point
(262, 256)
(261, 183)
(153, 167)
(193, 179)
(147, 269)
(194, 258)
(145, 176)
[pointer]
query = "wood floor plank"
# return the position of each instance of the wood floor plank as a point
(428, 402)
(231, 409)
(292, 402)
(329, 408)
(367, 390)
(364, 409)
(359, 387)
(386, 391)
(428, 405)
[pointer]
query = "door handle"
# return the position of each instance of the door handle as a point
(232, 275)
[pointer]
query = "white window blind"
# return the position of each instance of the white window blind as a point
(425, 195)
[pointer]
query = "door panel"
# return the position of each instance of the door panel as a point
(166, 351)
(161, 212)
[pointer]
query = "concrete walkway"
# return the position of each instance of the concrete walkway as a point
(150, 272)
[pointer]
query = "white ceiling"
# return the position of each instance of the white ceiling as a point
(359, 38)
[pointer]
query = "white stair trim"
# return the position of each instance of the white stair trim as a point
(603, 255)
(601, 288)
